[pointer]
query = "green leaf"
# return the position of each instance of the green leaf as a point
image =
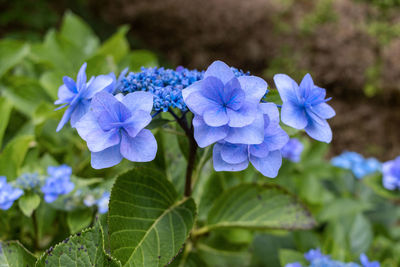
(342, 207)
(51, 81)
(219, 257)
(14, 254)
(374, 182)
(148, 223)
(79, 219)
(287, 256)
(11, 53)
(28, 203)
(5, 111)
(84, 249)
(116, 46)
(254, 206)
(139, 58)
(13, 155)
(360, 235)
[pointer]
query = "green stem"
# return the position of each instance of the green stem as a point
(36, 231)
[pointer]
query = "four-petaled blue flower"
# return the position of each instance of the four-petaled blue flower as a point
(391, 174)
(305, 107)
(58, 182)
(366, 263)
(8, 194)
(113, 129)
(77, 95)
(226, 107)
(265, 157)
(292, 150)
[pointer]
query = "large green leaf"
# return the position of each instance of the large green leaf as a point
(116, 46)
(5, 111)
(28, 203)
(79, 219)
(148, 223)
(11, 53)
(255, 206)
(84, 249)
(13, 254)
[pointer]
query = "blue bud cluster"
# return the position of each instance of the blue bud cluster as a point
(29, 181)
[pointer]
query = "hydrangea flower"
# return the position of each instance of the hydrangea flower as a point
(265, 157)
(391, 174)
(58, 182)
(314, 254)
(292, 150)
(77, 95)
(28, 181)
(226, 107)
(102, 203)
(366, 263)
(355, 162)
(116, 84)
(8, 194)
(113, 129)
(294, 264)
(304, 106)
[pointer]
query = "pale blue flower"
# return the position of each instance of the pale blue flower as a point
(391, 174)
(305, 107)
(226, 107)
(102, 202)
(292, 150)
(355, 162)
(366, 263)
(265, 157)
(294, 264)
(58, 183)
(77, 95)
(314, 254)
(113, 129)
(8, 194)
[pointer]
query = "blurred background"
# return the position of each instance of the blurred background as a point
(350, 47)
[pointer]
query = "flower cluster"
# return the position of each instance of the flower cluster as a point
(292, 150)
(8, 194)
(355, 162)
(28, 181)
(58, 182)
(317, 259)
(391, 174)
(101, 203)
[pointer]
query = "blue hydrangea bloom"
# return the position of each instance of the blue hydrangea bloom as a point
(355, 162)
(314, 254)
(8, 194)
(116, 84)
(226, 107)
(391, 174)
(265, 157)
(113, 129)
(28, 181)
(304, 106)
(58, 182)
(102, 202)
(294, 264)
(292, 150)
(366, 263)
(77, 95)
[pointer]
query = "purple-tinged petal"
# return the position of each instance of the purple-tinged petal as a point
(250, 134)
(234, 154)
(103, 106)
(195, 87)
(70, 84)
(64, 95)
(137, 122)
(197, 103)
(206, 135)
(220, 70)
(306, 85)
(272, 112)
(81, 108)
(269, 165)
(141, 148)
(81, 79)
(260, 150)
(97, 85)
(221, 165)
(318, 128)
(294, 116)
(243, 116)
(215, 116)
(65, 118)
(324, 111)
(213, 89)
(287, 88)
(315, 96)
(107, 158)
(138, 101)
(275, 138)
(254, 88)
(234, 96)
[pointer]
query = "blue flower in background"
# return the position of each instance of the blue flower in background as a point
(102, 203)
(114, 129)
(314, 254)
(226, 107)
(265, 157)
(8, 194)
(366, 263)
(305, 107)
(355, 162)
(58, 182)
(77, 95)
(28, 181)
(391, 174)
(292, 150)
(116, 84)
(294, 264)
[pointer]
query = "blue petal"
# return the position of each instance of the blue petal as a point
(70, 84)
(65, 95)
(65, 118)
(106, 158)
(141, 148)
(324, 111)
(137, 122)
(234, 154)
(275, 138)
(49, 198)
(269, 165)
(306, 85)
(221, 165)
(81, 79)
(287, 87)
(294, 116)
(206, 135)
(198, 103)
(220, 70)
(260, 150)
(250, 134)
(81, 108)
(213, 89)
(271, 113)
(254, 88)
(243, 116)
(139, 101)
(234, 96)
(97, 85)
(215, 116)
(108, 109)
(195, 87)
(318, 128)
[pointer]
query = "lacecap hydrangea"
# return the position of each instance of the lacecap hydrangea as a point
(57, 183)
